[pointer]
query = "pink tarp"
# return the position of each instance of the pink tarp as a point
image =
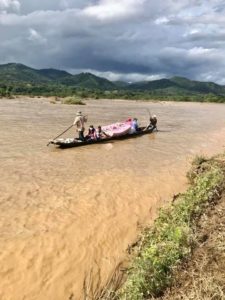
(117, 129)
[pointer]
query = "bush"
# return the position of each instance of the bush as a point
(199, 165)
(73, 101)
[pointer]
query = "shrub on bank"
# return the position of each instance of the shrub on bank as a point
(170, 239)
(73, 101)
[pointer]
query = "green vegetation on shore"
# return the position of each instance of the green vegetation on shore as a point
(18, 79)
(73, 101)
(171, 238)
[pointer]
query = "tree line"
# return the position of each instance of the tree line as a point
(60, 90)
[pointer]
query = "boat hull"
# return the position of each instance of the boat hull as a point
(64, 145)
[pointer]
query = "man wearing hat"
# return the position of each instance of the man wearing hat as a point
(153, 123)
(79, 122)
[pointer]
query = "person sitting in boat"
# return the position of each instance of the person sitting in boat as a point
(134, 126)
(99, 133)
(91, 134)
(153, 123)
(79, 122)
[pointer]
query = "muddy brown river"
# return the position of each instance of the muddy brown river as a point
(67, 213)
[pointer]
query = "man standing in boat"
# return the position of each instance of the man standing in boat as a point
(79, 122)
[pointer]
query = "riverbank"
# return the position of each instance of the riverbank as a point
(77, 99)
(203, 276)
(185, 247)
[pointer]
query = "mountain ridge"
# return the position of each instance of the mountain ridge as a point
(20, 75)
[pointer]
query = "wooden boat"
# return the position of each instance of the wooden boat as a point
(69, 143)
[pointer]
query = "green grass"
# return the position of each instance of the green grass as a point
(164, 245)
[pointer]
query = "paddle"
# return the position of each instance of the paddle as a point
(148, 110)
(150, 115)
(60, 134)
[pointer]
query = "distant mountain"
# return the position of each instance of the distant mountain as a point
(88, 81)
(19, 77)
(198, 86)
(121, 84)
(13, 73)
(179, 85)
(152, 85)
(53, 74)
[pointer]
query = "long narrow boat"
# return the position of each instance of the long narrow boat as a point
(69, 143)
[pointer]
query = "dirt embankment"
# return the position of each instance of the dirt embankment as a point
(203, 275)
(183, 255)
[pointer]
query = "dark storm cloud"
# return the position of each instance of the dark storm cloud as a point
(124, 39)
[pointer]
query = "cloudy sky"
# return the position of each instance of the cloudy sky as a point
(118, 39)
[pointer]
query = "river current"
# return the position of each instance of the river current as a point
(67, 213)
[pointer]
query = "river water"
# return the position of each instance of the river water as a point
(67, 213)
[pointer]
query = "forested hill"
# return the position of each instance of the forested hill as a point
(21, 74)
(20, 79)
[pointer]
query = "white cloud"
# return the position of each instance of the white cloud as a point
(162, 20)
(111, 9)
(36, 37)
(199, 51)
(192, 32)
(9, 4)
